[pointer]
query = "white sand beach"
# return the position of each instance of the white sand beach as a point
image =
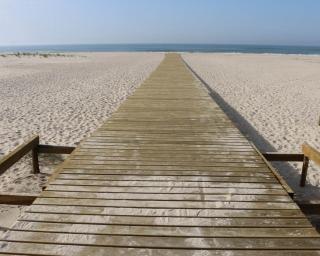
(274, 99)
(63, 99)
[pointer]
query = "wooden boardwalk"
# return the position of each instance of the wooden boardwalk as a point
(168, 174)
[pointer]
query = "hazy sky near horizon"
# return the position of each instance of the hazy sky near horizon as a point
(288, 22)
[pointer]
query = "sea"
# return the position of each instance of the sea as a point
(223, 48)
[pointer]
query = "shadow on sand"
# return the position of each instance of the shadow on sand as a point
(288, 172)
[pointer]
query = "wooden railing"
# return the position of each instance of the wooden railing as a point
(7, 161)
(308, 153)
(31, 145)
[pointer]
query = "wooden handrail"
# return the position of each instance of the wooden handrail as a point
(7, 161)
(49, 149)
(31, 145)
(17, 199)
(273, 156)
(310, 153)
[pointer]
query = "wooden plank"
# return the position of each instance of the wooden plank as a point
(166, 197)
(171, 190)
(50, 249)
(167, 212)
(172, 174)
(191, 180)
(167, 174)
(167, 159)
(159, 231)
(184, 168)
(167, 204)
(171, 184)
(174, 150)
(166, 242)
(93, 163)
(164, 221)
(196, 161)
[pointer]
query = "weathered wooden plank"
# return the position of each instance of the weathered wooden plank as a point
(159, 179)
(167, 159)
(49, 249)
(165, 242)
(170, 144)
(167, 212)
(159, 231)
(225, 144)
(187, 173)
(93, 163)
(214, 152)
(166, 204)
(165, 168)
(166, 184)
(165, 221)
(167, 197)
(198, 152)
(172, 184)
(167, 190)
(105, 131)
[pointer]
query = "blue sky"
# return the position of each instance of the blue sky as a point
(288, 22)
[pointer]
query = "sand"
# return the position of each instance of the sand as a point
(63, 99)
(275, 101)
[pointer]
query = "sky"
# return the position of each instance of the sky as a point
(277, 22)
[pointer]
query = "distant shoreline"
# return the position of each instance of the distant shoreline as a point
(197, 48)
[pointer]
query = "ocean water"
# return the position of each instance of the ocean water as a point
(224, 48)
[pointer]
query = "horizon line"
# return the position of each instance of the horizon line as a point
(235, 44)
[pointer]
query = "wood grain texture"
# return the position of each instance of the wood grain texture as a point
(168, 174)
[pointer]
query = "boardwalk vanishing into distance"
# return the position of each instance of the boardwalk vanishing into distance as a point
(168, 174)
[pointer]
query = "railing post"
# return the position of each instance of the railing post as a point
(35, 158)
(304, 171)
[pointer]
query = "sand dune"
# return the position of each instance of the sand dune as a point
(275, 99)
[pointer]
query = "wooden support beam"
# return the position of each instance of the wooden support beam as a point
(304, 171)
(48, 149)
(271, 156)
(17, 199)
(7, 161)
(35, 161)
